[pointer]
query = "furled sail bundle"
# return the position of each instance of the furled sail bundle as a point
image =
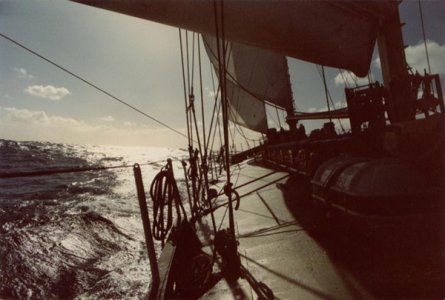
(335, 33)
(253, 75)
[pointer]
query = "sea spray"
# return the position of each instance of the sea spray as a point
(74, 235)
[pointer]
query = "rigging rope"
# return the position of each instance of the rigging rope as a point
(202, 100)
(192, 76)
(424, 37)
(344, 78)
(278, 116)
(216, 126)
(248, 193)
(222, 70)
(207, 193)
(233, 79)
(54, 171)
(330, 99)
(198, 168)
(353, 78)
(239, 129)
(326, 93)
(188, 61)
(216, 108)
(184, 84)
(92, 85)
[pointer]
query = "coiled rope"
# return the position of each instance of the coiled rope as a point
(164, 193)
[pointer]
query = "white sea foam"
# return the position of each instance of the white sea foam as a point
(77, 230)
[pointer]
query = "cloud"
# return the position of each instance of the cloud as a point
(337, 105)
(26, 124)
(416, 57)
(351, 79)
(22, 73)
(107, 118)
(48, 92)
(36, 117)
(340, 104)
(6, 96)
(129, 124)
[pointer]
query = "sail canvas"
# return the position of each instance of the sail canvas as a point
(338, 34)
(245, 109)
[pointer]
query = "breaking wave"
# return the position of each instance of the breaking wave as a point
(73, 235)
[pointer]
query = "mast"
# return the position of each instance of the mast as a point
(394, 67)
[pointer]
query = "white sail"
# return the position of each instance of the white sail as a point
(261, 73)
(336, 33)
(245, 108)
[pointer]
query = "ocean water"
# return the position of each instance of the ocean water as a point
(75, 235)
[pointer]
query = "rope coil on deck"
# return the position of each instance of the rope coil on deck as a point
(164, 193)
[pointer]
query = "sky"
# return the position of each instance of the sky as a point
(139, 62)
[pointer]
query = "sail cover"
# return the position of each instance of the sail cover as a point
(335, 33)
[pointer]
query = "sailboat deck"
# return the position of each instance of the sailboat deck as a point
(287, 245)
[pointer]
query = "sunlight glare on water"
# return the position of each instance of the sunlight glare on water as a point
(75, 235)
